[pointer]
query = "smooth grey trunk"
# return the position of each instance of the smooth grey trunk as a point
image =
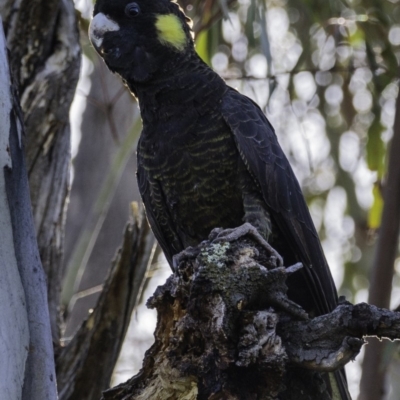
(26, 344)
(372, 386)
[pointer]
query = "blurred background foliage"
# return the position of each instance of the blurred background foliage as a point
(326, 74)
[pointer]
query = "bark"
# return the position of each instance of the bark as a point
(226, 330)
(85, 365)
(42, 37)
(26, 344)
(372, 386)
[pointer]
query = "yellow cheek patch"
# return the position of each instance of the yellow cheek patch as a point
(170, 31)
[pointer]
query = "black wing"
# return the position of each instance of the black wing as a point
(157, 213)
(266, 162)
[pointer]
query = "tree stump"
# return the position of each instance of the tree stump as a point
(227, 330)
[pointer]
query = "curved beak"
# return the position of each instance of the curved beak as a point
(99, 25)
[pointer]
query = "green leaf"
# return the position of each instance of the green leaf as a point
(357, 38)
(249, 28)
(375, 212)
(376, 147)
(202, 47)
(265, 44)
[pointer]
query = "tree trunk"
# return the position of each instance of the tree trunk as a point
(372, 386)
(42, 37)
(226, 330)
(85, 365)
(27, 370)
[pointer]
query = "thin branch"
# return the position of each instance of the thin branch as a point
(90, 232)
(350, 69)
(374, 371)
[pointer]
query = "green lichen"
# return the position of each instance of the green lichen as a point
(215, 253)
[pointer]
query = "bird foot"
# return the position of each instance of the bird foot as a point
(274, 282)
(189, 252)
(230, 235)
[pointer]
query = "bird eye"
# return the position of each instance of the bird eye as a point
(132, 10)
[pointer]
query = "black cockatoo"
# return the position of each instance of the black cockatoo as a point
(207, 156)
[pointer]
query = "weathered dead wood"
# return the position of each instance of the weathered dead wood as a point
(43, 40)
(85, 365)
(226, 330)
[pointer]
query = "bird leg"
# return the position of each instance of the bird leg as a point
(230, 235)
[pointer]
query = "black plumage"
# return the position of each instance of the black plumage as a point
(207, 157)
